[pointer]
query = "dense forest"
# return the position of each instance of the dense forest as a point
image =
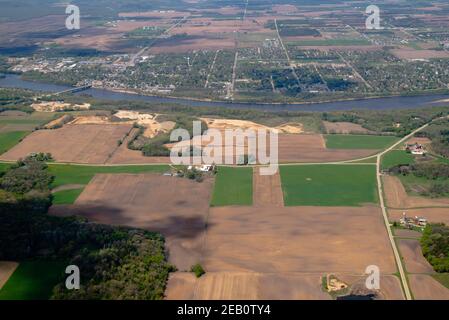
(435, 246)
(115, 262)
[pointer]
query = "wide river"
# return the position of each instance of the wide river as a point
(402, 102)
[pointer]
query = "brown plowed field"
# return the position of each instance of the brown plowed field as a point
(397, 197)
(311, 148)
(176, 207)
(431, 214)
(265, 286)
(390, 285)
(406, 233)
(424, 287)
(72, 143)
(245, 286)
(267, 190)
(412, 254)
(296, 239)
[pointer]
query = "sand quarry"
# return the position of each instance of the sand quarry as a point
(94, 139)
(265, 251)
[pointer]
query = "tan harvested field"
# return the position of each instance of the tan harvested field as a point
(311, 148)
(92, 143)
(265, 286)
(296, 239)
(414, 260)
(15, 32)
(412, 54)
(7, 268)
(424, 287)
(344, 127)
(245, 286)
(407, 233)
(176, 207)
(267, 190)
(397, 197)
(431, 214)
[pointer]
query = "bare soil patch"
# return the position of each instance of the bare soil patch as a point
(311, 148)
(390, 285)
(397, 197)
(176, 207)
(344, 127)
(419, 140)
(424, 287)
(414, 259)
(412, 54)
(406, 233)
(245, 286)
(296, 239)
(7, 268)
(92, 143)
(267, 190)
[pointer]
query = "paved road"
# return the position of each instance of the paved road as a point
(397, 257)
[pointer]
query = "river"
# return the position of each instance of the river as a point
(401, 102)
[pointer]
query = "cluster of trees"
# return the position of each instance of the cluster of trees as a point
(438, 132)
(437, 173)
(115, 262)
(435, 246)
(25, 187)
(15, 99)
(397, 122)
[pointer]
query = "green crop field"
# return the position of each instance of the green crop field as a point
(33, 280)
(395, 158)
(10, 139)
(4, 167)
(348, 141)
(66, 196)
(73, 174)
(442, 278)
(233, 186)
(329, 185)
